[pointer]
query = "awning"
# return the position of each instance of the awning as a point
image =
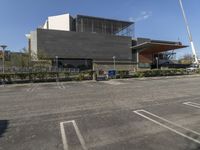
(149, 47)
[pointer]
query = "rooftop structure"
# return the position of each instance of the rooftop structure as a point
(82, 23)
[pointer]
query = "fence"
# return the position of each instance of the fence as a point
(38, 69)
(25, 75)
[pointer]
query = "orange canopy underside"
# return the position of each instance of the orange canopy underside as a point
(149, 48)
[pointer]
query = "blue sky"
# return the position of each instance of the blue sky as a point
(156, 19)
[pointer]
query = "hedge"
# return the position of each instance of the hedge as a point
(44, 76)
(157, 73)
(86, 75)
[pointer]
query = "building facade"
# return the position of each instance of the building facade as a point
(95, 43)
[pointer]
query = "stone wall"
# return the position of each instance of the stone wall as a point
(76, 45)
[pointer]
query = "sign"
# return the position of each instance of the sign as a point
(112, 73)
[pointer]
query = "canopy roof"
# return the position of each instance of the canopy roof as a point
(157, 47)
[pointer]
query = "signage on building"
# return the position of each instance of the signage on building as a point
(112, 73)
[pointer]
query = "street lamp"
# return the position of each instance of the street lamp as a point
(114, 62)
(56, 63)
(57, 68)
(157, 62)
(3, 59)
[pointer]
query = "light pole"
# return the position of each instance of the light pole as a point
(57, 68)
(56, 63)
(114, 62)
(157, 62)
(3, 59)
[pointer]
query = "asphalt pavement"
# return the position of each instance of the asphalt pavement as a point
(128, 114)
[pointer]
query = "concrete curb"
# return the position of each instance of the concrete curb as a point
(160, 78)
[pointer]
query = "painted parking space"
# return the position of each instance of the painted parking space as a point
(31, 134)
(138, 130)
(117, 129)
(103, 114)
(173, 127)
(71, 136)
(179, 120)
(192, 104)
(112, 131)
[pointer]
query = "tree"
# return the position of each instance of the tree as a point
(186, 59)
(40, 60)
(25, 59)
(18, 59)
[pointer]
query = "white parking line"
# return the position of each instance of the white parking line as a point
(32, 88)
(113, 82)
(64, 138)
(60, 85)
(197, 105)
(138, 112)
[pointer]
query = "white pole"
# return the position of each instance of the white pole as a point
(57, 69)
(189, 34)
(157, 62)
(3, 59)
(114, 62)
(56, 63)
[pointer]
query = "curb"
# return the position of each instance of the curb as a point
(163, 77)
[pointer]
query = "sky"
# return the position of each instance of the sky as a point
(155, 19)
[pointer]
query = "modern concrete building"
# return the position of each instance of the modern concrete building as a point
(95, 43)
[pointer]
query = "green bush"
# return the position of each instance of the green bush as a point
(80, 77)
(41, 75)
(138, 75)
(123, 73)
(53, 74)
(86, 75)
(198, 71)
(7, 77)
(21, 76)
(67, 74)
(157, 73)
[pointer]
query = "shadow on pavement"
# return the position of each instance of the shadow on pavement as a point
(193, 145)
(3, 127)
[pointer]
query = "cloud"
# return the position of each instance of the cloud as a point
(144, 15)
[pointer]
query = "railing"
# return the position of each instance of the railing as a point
(38, 69)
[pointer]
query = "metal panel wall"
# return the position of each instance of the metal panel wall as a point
(76, 45)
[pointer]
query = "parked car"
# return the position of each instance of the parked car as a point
(192, 68)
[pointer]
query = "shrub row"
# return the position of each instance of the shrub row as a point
(157, 73)
(151, 73)
(123, 74)
(44, 76)
(87, 75)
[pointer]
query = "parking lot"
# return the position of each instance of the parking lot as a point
(129, 114)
